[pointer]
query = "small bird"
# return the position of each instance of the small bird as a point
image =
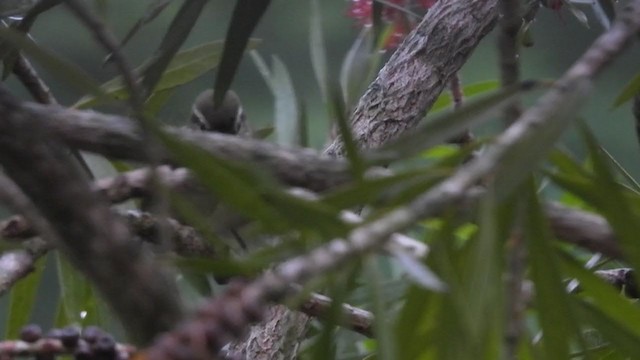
(227, 118)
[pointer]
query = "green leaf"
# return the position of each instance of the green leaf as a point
(253, 193)
(483, 284)
(8, 52)
(369, 190)
(622, 338)
(628, 92)
(156, 102)
(445, 100)
(445, 126)
(418, 272)
(578, 14)
(567, 166)
(318, 50)
(302, 124)
(263, 133)
(288, 126)
(612, 203)
(386, 347)
(621, 170)
(77, 295)
(338, 287)
(355, 70)
(174, 37)
(246, 15)
(21, 300)
(555, 314)
(605, 298)
(537, 142)
(185, 67)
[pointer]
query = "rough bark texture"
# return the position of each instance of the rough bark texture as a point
(119, 137)
(276, 338)
(419, 70)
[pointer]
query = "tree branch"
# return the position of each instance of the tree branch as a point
(409, 84)
(95, 242)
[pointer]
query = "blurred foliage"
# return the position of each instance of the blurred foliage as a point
(450, 305)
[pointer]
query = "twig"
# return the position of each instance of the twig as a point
(458, 97)
(110, 43)
(15, 265)
(28, 76)
(354, 318)
(34, 84)
(510, 24)
(635, 110)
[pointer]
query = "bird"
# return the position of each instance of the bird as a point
(226, 118)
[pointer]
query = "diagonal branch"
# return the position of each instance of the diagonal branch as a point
(409, 84)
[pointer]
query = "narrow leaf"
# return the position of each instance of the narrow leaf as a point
(185, 67)
(556, 317)
(318, 50)
(628, 92)
(174, 37)
(245, 18)
(153, 10)
(21, 301)
(386, 347)
(75, 292)
(286, 107)
(537, 142)
(419, 272)
(445, 126)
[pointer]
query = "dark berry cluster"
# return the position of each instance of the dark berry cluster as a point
(217, 323)
(90, 343)
(392, 13)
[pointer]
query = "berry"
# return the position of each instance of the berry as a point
(30, 333)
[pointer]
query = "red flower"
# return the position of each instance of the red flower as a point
(362, 12)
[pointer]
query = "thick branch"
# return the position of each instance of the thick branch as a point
(119, 137)
(419, 70)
